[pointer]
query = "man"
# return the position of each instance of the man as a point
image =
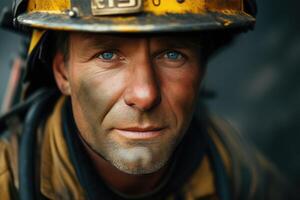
(123, 126)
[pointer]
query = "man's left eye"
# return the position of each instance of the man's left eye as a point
(173, 55)
(107, 56)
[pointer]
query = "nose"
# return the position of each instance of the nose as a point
(143, 91)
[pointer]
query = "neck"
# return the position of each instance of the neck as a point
(122, 182)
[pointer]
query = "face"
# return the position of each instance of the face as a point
(133, 97)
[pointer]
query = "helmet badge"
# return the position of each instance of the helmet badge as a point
(112, 7)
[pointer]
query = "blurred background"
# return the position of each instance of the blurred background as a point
(257, 82)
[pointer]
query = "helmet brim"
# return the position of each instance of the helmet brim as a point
(142, 23)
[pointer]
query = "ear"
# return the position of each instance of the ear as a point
(60, 71)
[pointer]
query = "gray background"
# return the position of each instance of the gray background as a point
(256, 80)
(258, 84)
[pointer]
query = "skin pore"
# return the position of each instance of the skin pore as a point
(133, 99)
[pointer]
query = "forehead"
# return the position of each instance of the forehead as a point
(180, 39)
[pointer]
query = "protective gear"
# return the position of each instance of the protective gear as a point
(141, 15)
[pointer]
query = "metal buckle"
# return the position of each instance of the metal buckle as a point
(113, 7)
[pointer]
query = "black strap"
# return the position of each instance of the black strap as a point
(27, 152)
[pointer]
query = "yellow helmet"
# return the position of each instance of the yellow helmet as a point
(135, 15)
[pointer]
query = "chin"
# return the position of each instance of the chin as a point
(138, 161)
(138, 169)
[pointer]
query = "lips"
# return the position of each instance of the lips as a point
(140, 132)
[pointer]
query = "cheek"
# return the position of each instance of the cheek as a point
(181, 89)
(93, 94)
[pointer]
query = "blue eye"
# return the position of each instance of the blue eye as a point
(173, 55)
(107, 56)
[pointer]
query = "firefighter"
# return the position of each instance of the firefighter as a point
(108, 109)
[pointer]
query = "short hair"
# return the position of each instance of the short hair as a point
(61, 44)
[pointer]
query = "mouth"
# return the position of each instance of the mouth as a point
(139, 133)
